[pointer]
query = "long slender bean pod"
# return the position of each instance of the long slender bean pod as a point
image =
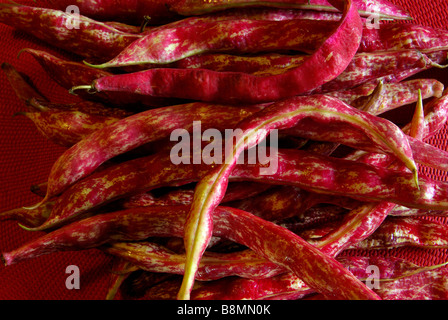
(68, 73)
(335, 53)
(23, 89)
(80, 35)
(155, 258)
(161, 11)
(406, 231)
(67, 128)
(84, 157)
(211, 188)
(385, 9)
(319, 271)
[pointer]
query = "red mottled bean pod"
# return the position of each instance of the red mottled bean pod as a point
(67, 128)
(235, 87)
(320, 272)
(88, 38)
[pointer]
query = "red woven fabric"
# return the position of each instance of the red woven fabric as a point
(26, 158)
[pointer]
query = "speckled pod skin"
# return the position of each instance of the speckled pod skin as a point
(130, 11)
(284, 286)
(236, 191)
(67, 128)
(385, 9)
(167, 45)
(84, 157)
(295, 168)
(318, 270)
(152, 257)
(23, 89)
(413, 231)
(83, 106)
(399, 36)
(394, 95)
(236, 87)
(91, 39)
(372, 66)
(68, 73)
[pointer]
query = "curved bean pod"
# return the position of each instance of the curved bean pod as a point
(427, 285)
(87, 107)
(155, 258)
(367, 67)
(399, 36)
(385, 9)
(363, 68)
(319, 271)
(67, 74)
(287, 285)
(67, 128)
(211, 188)
(311, 172)
(91, 39)
(84, 157)
(29, 218)
(394, 95)
(167, 45)
(23, 89)
(237, 87)
(161, 12)
(71, 166)
(413, 231)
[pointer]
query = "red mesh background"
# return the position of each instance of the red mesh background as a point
(26, 158)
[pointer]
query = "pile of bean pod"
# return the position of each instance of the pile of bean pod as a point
(323, 77)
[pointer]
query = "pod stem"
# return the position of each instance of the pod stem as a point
(90, 89)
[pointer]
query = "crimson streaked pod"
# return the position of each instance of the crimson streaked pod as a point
(399, 36)
(84, 157)
(394, 95)
(247, 264)
(415, 231)
(82, 36)
(211, 188)
(67, 128)
(68, 73)
(319, 271)
(127, 11)
(296, 110)
(147, 127)
(287, 286)
(364, 67)
(23, 89)
(384, 8)
(427, 285)
(236, 191)
(155, 258)
(236, 87)
(356, 180)
(239, 36)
